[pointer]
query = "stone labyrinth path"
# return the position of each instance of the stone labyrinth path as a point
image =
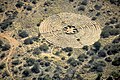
(70, 30)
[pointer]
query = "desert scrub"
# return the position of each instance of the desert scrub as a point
(26, 73)
(85, 48)
(19, 4)
(116, 61)
(30, 61)
(37, 51)
(68, 49)
(102, 53)
(29, 8)
(28, 41)
(116, 40)
(44, 47)
(2, 66)
(22, 33)
(16, 62)
(97, 45)
(73, 62)
(35, 69)
(2, 8)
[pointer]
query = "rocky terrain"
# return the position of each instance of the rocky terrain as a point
(26, 54)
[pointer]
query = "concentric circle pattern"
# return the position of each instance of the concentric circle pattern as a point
(70, 30)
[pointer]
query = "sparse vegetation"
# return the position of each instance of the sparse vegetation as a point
(30, 61)
(2, 66)
(29, 8)
(44, 47)
(102, 53)
(2, 9)
(19, 4)
(116, 61)
(82, 57)
(67, 49)
(73, 62)
(26, 73)
(47, 41)
(16, 62)
(36, 51)
(23, 34)
(28, 41)
(85, 48)
(35, 68)
(97, 45)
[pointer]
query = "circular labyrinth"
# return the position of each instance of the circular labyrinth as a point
(70, 30)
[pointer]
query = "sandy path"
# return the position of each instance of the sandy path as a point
(14, 43)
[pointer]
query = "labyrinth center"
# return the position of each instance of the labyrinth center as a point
(70, 30)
